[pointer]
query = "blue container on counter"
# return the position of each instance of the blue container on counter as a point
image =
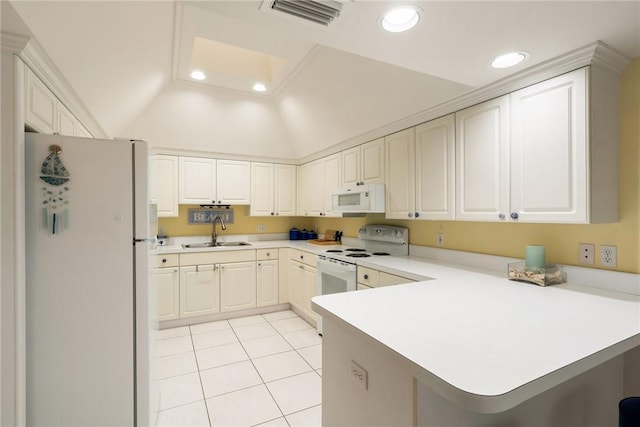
(313, 235)
(304, 234)
(294, 234)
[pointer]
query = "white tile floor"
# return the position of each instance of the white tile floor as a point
(262, 370)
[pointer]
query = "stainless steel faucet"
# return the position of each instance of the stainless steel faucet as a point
(214, 235)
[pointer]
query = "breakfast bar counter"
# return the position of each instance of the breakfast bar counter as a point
(475, 349)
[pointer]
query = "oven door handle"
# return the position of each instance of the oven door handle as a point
(333, 267)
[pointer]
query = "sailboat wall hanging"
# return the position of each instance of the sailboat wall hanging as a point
(55, 215)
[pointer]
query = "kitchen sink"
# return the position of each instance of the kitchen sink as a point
(211, 245)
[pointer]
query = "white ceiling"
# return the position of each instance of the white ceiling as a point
(129, 61)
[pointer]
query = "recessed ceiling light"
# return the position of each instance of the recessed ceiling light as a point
(198, 75)
(400, 19)
(259, 87)
(509, 59)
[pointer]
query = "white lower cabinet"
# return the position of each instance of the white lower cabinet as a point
(167, 293)
(302, 281)
(199, 290)
(237, 286)
(267, 277)
(369, 278)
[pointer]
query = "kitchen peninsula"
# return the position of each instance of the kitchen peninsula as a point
(474, 349)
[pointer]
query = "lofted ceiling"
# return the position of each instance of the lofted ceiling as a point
(129, 63)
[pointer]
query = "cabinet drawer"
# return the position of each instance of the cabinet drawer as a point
(264, 254)
(217, 257)
(368, 276)
(307, 258)
(167, 260)
(387, 279)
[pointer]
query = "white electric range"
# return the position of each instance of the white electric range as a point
(337, 267)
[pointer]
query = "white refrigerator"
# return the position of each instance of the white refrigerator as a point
(87, 305)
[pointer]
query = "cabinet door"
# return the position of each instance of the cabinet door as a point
(302, 201)
(234, 182)
(400, 174)
(66, 123)
(167, 294)
(40, 105)
(482, 161)
(548, 150)
(285, 190)
(262, 189)
(309, 289)
(351, 166)
(267, 282)
(237, 286)
(199, 290)
(435, 163)
(315, 188)
(197, 180)
(372, 163)
(296, 288)
(332, 182)
(163, 188)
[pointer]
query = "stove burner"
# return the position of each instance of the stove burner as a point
(335, 251)
(381, 253)
(358, 255)
(355, 250)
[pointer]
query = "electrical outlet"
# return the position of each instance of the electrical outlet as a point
(608, 256)
(587, 253)
(260, 228)
(359, 374)
(440, 239)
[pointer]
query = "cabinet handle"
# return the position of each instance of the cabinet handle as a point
(277, 213)
(417, 214)
(164, 260)
(366, 277)
(410, 214)
(271, 213)
(215, 267)
(301, 267)
(268, 253)
(514, 215)
(301, 256)
(259, 264)
(501, 216)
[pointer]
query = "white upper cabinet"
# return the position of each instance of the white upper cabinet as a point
(197, 180)
(285, 189)
(435, 166)
(400, 174)
(332, 182)
(262, 189)
(364, 164)
(549, 163)
(44, 113)
(420, 171)
(320, 178)
(211, 181)
(40, 105)
(482, 161)
(545, 153)
(163, 185)
(233, 182)
(273, 189)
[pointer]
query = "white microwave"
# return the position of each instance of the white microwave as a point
(367, 198)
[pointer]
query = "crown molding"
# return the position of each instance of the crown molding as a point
(35, 57)
(13, 43)
(597, 54)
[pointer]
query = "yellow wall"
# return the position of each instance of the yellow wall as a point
(242, 223)
(506, 239)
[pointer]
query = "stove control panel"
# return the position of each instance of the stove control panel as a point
(384, 233)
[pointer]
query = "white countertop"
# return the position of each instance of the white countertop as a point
(483, 341)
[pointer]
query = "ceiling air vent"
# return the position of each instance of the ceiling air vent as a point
(318, 11)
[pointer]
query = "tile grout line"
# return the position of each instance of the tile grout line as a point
(204, 398)
(259, 375)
